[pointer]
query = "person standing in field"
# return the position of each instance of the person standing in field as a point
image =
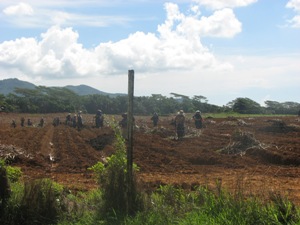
(74, 121)
(179, 124)
(155, 119)
(22, 121)
(13, 124)
(123, 125)
(68, 119)
(29, 123)
(198, 119)
(99, 119)
(42, 121)
(79, 121)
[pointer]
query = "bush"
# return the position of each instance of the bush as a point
(13, 173)
(8, 175)
(112, 178)
(37, 202)
(4, 189)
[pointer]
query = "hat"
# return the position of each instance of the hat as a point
(198, 111)
(181, 111)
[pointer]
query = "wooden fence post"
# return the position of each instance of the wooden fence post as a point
(130, 124)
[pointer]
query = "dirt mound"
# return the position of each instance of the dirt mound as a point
(11, 153)
(101, 141)
(241, 142)
(279, 126)
(273, 157)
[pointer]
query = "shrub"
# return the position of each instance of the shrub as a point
(285, 211)
(37, 202)
(4, 189)
(112, 178)
(8, 175)
(13, 173)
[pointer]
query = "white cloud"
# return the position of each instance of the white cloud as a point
(295, 5)
(295, 22)
(260, 74)
(43, 14)
(221, 4)
(57, 55)
(222, 23)
(176, 47)
(21, 9)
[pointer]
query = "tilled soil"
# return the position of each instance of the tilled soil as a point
(212, 156)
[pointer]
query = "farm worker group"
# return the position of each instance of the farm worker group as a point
(29, 123)
(77, 121)
(179, 122)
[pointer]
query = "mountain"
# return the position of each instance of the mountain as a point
(9, 85)
(84, 90)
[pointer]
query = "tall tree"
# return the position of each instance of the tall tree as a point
(246, 106)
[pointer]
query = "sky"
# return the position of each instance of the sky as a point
(220, 49)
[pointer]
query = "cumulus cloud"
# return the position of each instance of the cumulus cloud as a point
(221, 4)
(295, 5)
(176, 46)
(21, 9)
(222, 23)
(57, 55)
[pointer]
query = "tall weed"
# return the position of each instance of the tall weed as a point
(35, 202)
(112, 178)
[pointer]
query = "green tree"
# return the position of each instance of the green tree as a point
(282, 108)
(246, 106)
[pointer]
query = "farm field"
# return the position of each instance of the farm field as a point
(255, 155)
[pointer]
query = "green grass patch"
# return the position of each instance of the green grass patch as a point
(238, 115)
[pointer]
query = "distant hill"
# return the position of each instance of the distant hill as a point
(9, 85)
(84, 90)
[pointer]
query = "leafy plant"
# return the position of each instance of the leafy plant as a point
(112, 178)
(13, 173)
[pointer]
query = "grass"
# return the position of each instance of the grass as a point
(45, 202)
(238, 115)
(174, 206)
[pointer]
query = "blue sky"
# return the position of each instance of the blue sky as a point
(221, 49)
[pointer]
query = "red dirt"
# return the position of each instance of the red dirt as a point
(64, 153)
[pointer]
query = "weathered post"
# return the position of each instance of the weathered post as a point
(130, 124)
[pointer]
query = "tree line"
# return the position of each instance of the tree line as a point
(55, 100)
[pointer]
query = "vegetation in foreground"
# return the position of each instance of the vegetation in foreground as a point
(46, 202)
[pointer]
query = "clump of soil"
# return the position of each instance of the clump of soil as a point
(279, 126)
(100, 142)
